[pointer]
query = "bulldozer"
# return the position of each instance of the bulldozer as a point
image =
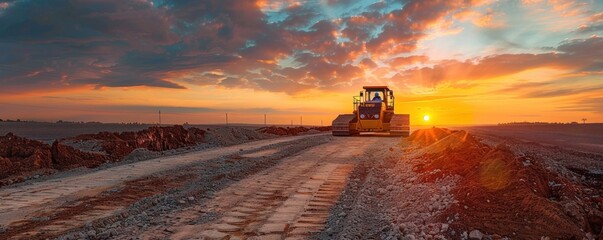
(372, 114)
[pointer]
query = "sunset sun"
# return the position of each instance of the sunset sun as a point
(426, 118)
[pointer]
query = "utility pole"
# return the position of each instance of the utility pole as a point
(159, 117)
(301, 122)
(321, 123)
(226, 119)
(292, 123)
(264, 119)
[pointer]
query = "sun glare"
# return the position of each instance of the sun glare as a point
(426, 118)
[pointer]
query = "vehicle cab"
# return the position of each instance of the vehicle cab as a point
(373, 107)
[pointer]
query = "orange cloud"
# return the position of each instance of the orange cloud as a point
(405, 61)
(577, 55)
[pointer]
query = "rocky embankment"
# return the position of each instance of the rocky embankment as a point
(508, 188)
(445, 184)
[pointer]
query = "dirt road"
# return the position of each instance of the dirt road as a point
(270, 188)
(290, 199)
(46, 209)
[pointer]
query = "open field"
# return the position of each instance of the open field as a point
(585, 137)
(436, 184)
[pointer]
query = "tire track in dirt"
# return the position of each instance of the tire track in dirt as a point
(290, 200)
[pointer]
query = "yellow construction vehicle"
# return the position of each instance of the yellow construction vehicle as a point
(373, 112)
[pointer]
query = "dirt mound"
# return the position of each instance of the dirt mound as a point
(119, 145)
(424, 137)
(21, 157)
(226, 136)
(451, 155)
(66, 157)
(19, 154)
(323, 129)
(291, 131)
(453, 140)
(502, 194)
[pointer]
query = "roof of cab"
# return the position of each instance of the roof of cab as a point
(385, 88)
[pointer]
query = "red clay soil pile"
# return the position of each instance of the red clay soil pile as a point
(21, 157)
(119, 145)
(501, 194)
(291, 131)
(19, 154)
(66, 157)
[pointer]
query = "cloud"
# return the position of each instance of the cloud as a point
(430, 98)
(282, 46)
(576, 55)
(367, 63)
(64, 44)
(591, 104)
(546, 93)
(404, 61)
(67, 43)
(178, 109)
(594, 25)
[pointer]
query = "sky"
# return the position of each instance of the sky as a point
(460, 62)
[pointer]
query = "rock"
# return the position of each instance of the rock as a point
(191, 198)
(91, 234)
(590, 236)
(476, 234)
(104, 235)
(402, 227)
(444, 227)
(82, 235)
